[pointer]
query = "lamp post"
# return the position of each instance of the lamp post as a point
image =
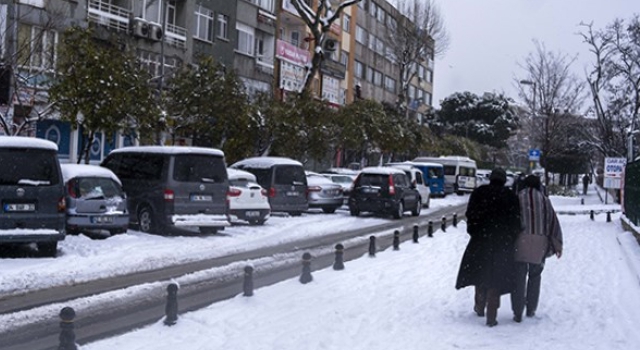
(533, 108)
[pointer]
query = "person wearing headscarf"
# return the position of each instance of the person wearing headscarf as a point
(540, 239)
(493, 223)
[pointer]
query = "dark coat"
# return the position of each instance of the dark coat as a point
(493, 222)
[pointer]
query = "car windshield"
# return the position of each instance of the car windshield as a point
(28, 167)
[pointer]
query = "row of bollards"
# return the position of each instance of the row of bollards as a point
(67, 315)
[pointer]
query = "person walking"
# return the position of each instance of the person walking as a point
(585, 184)
(493, 223)
(541, 238)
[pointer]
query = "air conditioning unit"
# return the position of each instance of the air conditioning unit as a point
(140, 28)
(155, 32)
(330, 45)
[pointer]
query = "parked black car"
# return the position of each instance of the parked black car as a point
(384, 190)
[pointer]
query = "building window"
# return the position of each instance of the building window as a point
(346, 23)
(421, 70)
(429, 76)
(372, 41)
(412, 92)
(264, 4)
(41, 44)
(377, 78)
(361, 35)
(389, 83)
(370, 74)
(223, 26)
(428, 98)
(381, 15)
(246, 39)
(359, 69)
(295, 38)
(203, 24)
(373, 9)
(344, 58)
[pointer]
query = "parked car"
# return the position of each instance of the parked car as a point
(344, 180)
(324, 193)
(171, 187)
(384, 190)
(31, 193)
(283, 178)
(95, 200)
(248, 201)
(417, 179)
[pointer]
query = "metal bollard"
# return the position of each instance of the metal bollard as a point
(67, 336)
(372, 246)
(416, 235)
(591, 215)
(430, 229)
(306, 277)
(338, 264)
(444, 224)
(582, 201)
(396, 240)
(455, 220)
(171, 309)
(608, 216)
(247, 285)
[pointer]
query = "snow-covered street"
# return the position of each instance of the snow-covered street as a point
(406, 299)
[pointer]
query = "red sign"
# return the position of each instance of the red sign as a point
(290, 53)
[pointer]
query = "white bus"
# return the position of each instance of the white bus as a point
(459, 172)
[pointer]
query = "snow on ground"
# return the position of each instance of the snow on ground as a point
(406, 299)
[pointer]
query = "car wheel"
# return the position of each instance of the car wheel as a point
(417, 209)
(146, 222)
(48, 248)
(354, 211)
(399, 211)
(329, 210)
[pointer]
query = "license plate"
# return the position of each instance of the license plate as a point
(293, 194)
(252, 214)
(102, 219)
(20, 207)
(370, 190)
(201, 198)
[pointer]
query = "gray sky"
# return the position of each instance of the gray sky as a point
(490, 37)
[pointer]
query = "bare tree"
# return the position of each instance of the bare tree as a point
(417, 37)
(319, 22)
(28, 64)
(614, 81)
(552, 92)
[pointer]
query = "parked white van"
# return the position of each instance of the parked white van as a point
(459, 172)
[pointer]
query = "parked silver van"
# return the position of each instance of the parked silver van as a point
(31, 193)
(171, 187)
(283, 178)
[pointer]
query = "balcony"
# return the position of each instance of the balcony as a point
(107, 14)
(176, 36)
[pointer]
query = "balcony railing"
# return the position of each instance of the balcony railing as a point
(176, 36)
(112, 16)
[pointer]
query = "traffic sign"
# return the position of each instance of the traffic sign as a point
(534, 155)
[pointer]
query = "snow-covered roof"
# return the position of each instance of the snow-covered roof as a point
(70, 171)
(315, 179)
(170, 150)
(343, 171)
(237, 174)
(265, 162)
(26, 142)
(382, 170)
(429, 164)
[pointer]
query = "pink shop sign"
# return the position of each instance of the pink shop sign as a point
(293, 54)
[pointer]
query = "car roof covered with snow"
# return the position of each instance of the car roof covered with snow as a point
(170, 150)
(26, 142)
(265, 162)
(70, 171)
(381, 170)
(237, 174)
